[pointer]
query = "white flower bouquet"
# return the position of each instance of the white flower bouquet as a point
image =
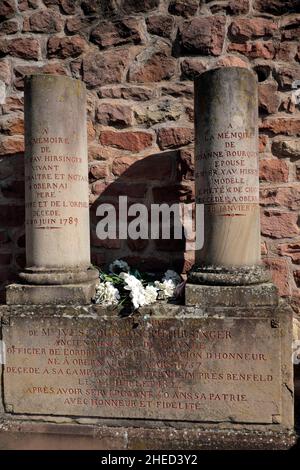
(132, 289)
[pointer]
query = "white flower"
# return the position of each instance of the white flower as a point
(130, 281)
(106, 294)
(150, 294)
(137, 291)
(118, 265)
(166, 288)
(173, 276)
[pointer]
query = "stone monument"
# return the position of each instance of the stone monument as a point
(56, 195)
(225, 380)
(228, 280)
(227, 184)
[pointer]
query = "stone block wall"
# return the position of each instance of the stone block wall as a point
(138, 59)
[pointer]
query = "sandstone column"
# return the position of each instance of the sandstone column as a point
(56, 189)
(227, 178)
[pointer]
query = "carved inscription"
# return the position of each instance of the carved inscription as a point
(53, 171)
(227, 169)
(195, 370)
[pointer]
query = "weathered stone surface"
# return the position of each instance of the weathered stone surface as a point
(283, 196)
(203, 35)
(232, 7)
(205, 296)
(262, 143)
(9, 27)
(98, 170)
(73, 294)
(101, 68)
(243, 29)
(290, 26)
(291, 250)
(232, 61)
(172, 137)
(268, 99)
(130, 6)
(286, 52)
(78, 24)
(13, 124)
(191, 67)
(21, 71)
(119, 115)
(134, 141)
(185, 168)
(25, 48)
(153, 64)
(11, 144)
(49, 436)
(279, 272)
(184, 8)
(285, 75)
(178, 89)
(2, 92)
(243, 384)
(65, 47)
(278, 224)
(136, 93)
(67, 6)
(297, 277)
(254, 50)
(121, 165)
(286, 148)
(282, 125)
(90, 7)
(273, 54)
(43, 22)
(273, 170)
(5, 74)
(24, 5)
(164, 110)
(277, 7)
(124, 31)
(7, 8)
(156, 167)
(160, 25)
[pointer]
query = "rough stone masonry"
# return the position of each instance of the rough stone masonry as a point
(138, 60)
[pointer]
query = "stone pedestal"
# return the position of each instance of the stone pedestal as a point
(56, 194)
(227, 179)
(228, 278)
(224, 382)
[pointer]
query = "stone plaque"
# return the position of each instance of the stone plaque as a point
(188, 369)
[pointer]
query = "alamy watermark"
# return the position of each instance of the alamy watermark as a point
(160, 221)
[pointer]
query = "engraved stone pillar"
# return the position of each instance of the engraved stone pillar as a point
(56, 194)
(227, 178)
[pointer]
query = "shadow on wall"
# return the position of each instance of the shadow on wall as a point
(12, 219)
(160, 178)
(155, 179)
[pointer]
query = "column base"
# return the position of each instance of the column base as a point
(55, 276)
(228, 275)
(204, 296)
(65, 294)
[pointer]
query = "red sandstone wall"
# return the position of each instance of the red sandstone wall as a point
(138, 59)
